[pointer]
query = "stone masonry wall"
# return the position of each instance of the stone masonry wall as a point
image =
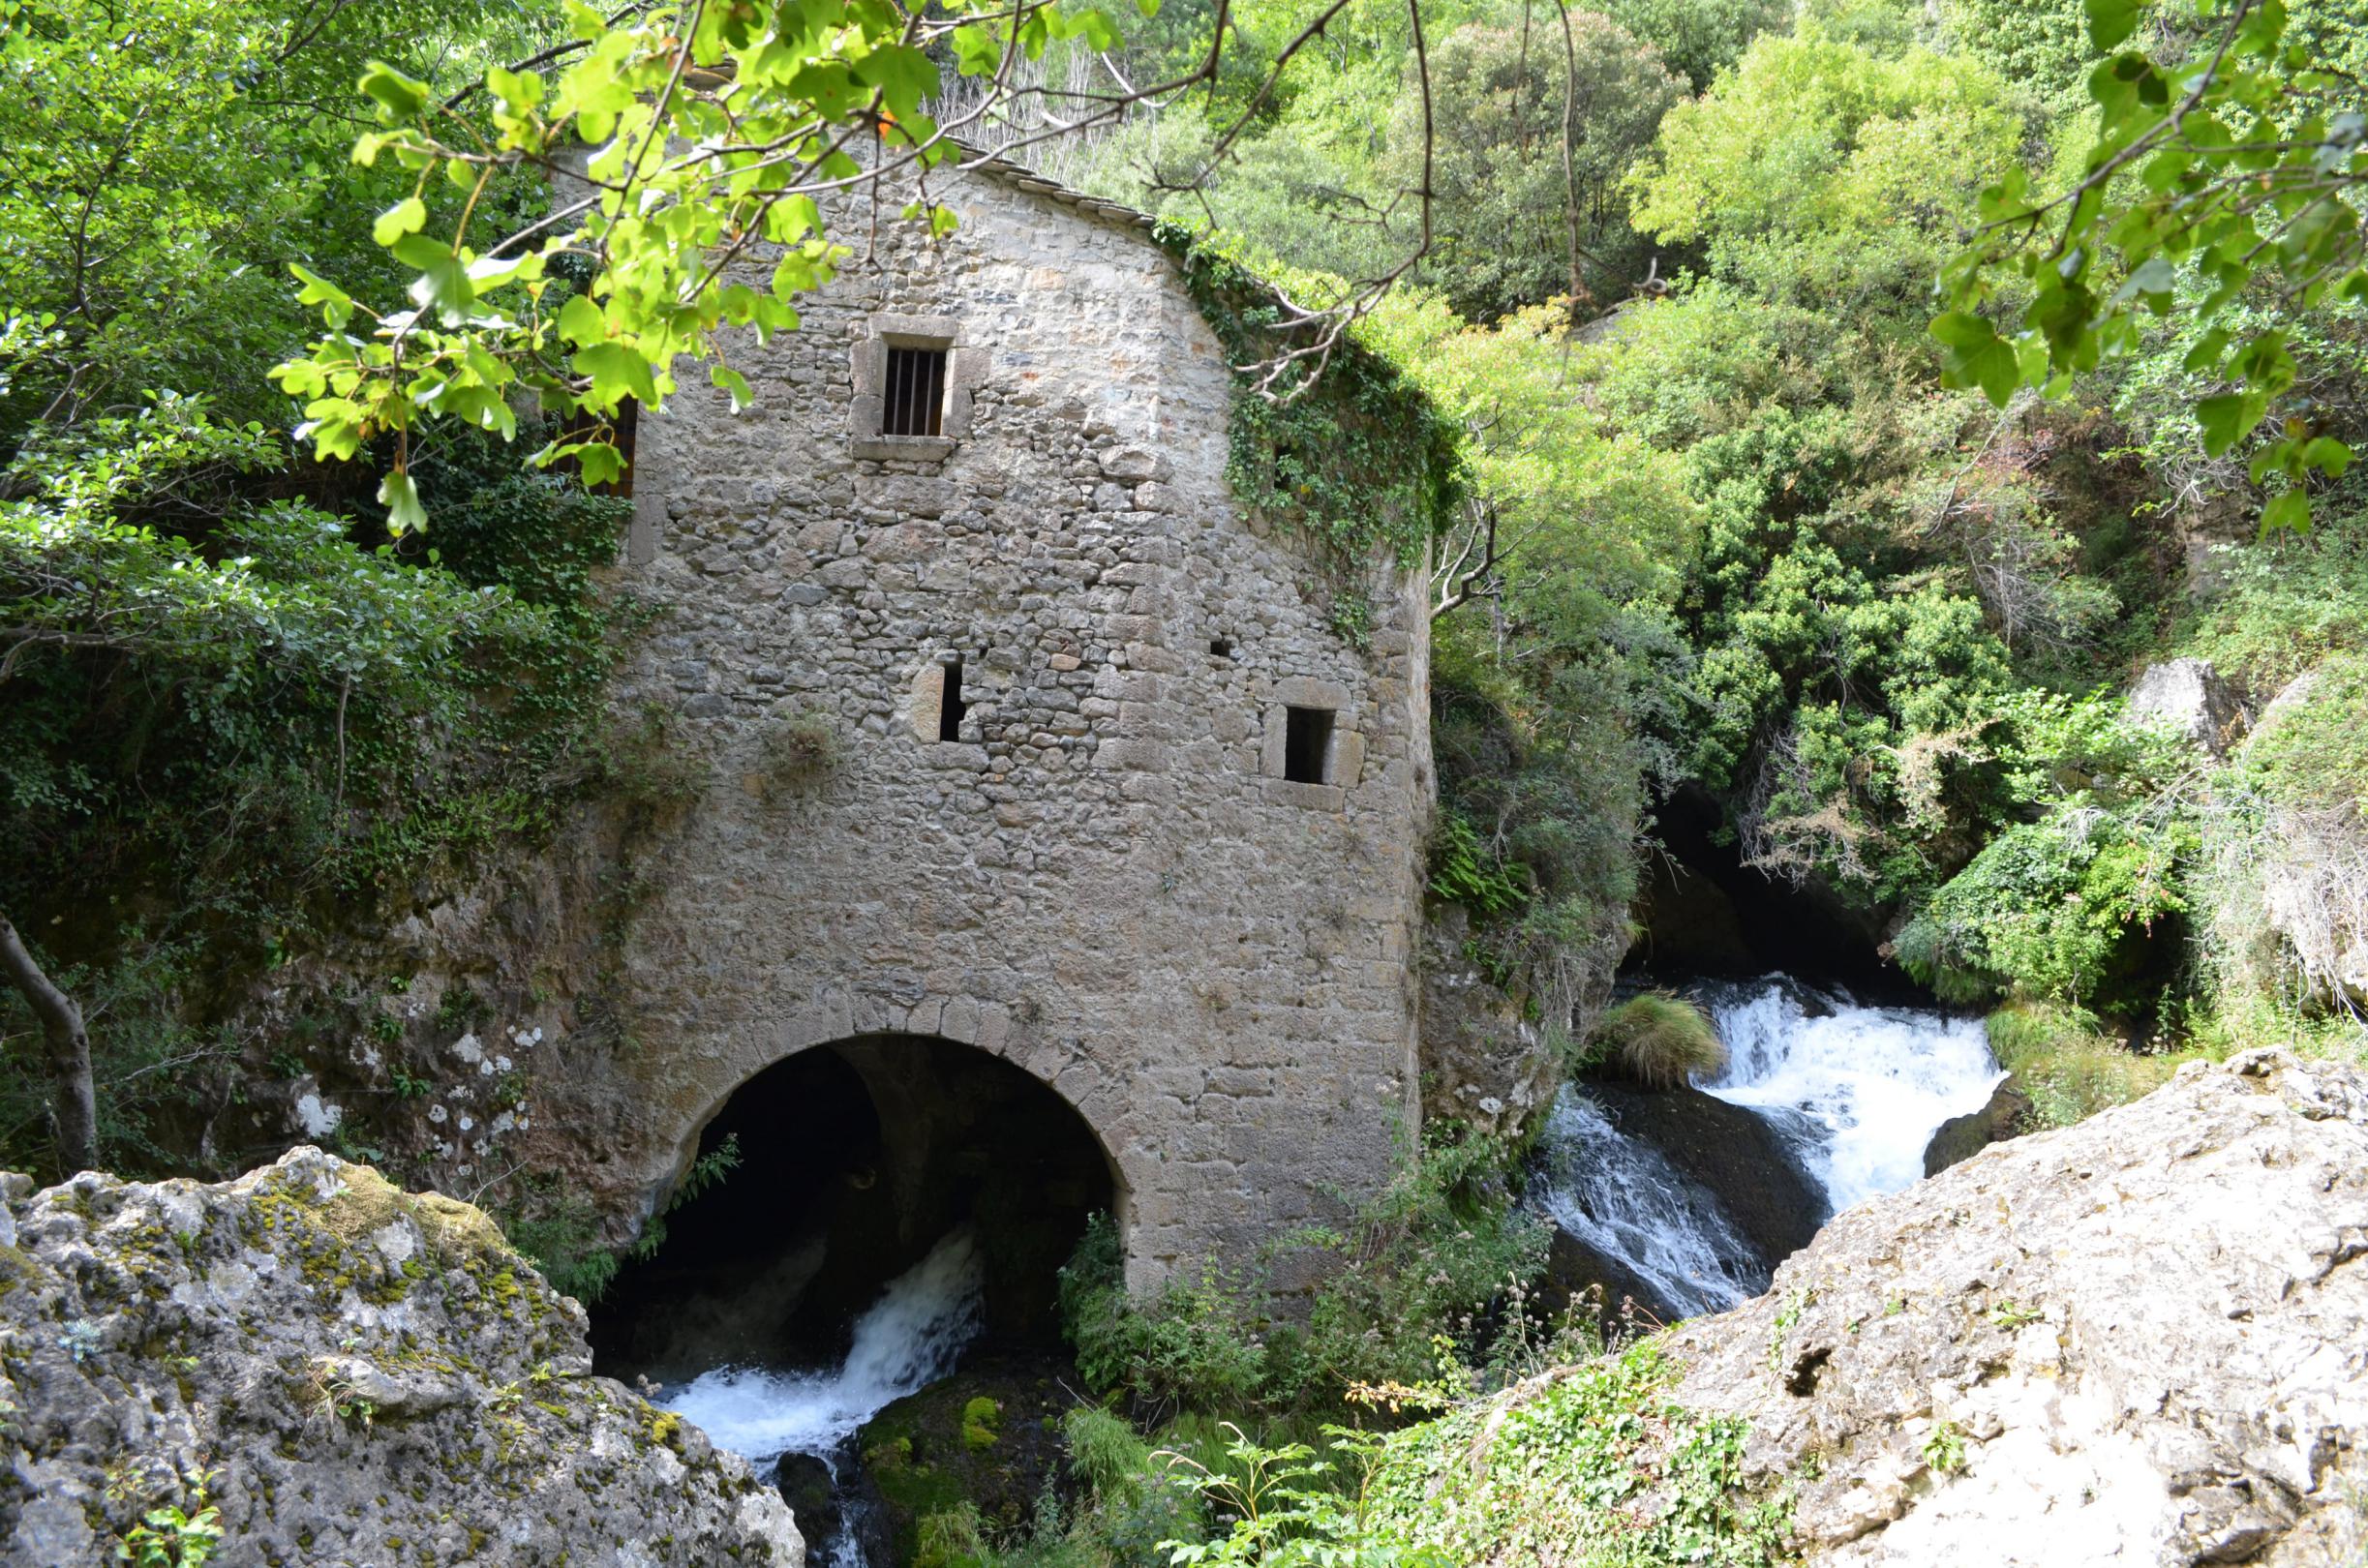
(1104, 878)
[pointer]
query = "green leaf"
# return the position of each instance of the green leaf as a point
(401, 498)
(732, 384)
(2291, 509)
(2110, 21)
(518, 90)
(581, 321)
(616, 372)
(421, 252)
(2208, 352)
(1962, 329)
(977, 51)
(444, 286)
(902, 74)
(405, 217)
(399, 97)
(336, 305)
(599, 462)
(2228, 419)
(2154, 280)
(2327, 455)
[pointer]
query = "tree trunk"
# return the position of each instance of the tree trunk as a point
(74, 1107)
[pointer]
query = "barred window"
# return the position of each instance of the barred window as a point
(914, 402)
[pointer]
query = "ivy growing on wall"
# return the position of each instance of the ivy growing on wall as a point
(1343, 450)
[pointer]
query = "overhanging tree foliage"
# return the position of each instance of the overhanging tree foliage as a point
(2215, 170)
(713, 129)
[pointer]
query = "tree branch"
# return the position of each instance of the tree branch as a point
(73, 1105)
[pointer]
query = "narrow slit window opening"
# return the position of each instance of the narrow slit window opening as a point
(916, 395)
(950, 706)
(1307, 744)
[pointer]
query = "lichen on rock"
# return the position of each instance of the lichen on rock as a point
(347, 1373)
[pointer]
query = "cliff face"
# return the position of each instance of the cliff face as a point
(2141, 1340)
(345, 1372)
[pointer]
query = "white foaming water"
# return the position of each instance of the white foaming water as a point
(1854, 1093)
(1874, 1083)
(909, 1339)
(1622, 1199)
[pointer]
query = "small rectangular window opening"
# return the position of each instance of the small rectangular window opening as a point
(950, 707)
(916, 399)
(1307, 744)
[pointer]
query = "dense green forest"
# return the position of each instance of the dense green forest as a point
(1852, 399)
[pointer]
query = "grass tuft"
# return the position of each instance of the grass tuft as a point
(1662, 1041)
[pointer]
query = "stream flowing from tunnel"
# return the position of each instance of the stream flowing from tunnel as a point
(1854, 1093)
(911, 1336)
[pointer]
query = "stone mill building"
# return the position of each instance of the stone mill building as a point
(1022, 734)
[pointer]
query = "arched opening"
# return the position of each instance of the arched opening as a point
(889, 1241)
(859, 1165)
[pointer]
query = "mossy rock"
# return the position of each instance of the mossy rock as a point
(988, 1437)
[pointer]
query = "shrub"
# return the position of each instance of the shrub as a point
(951, 1538)
(2057, 910)
(1191, 1344)
(798, 747)
(1104, 1452)
(2068, 1066)
(1444, 1252)
(1663, 1041)
(1431, 1267)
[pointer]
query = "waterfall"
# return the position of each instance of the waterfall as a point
(1854, 1093)
(1624, 1199)
(908, 1338)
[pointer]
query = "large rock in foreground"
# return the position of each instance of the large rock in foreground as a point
(2141, 1340)
(349, 1374)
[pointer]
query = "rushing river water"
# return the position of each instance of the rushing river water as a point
(1624, 1199)
(1853, 1092)
(909, 1339)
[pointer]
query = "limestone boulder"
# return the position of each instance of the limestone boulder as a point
(2188, 698)
(2142, 1340)
(341, 1374)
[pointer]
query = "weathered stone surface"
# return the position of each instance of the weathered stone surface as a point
(2292, 896)
(1483, 1063)
(1102, 876)
(2146, 1336)
(349, 1374)
(2188, 698)
(1961, 1137)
